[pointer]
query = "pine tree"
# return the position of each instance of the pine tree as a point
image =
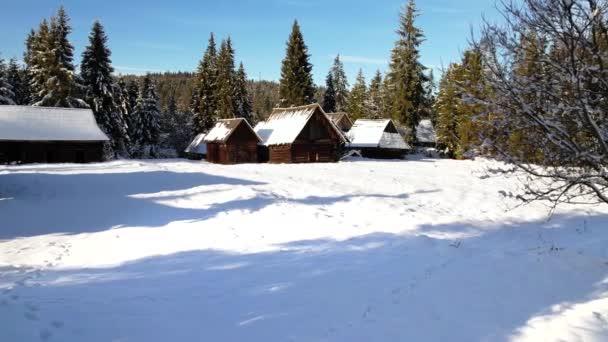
(406, 75)
(133, 95)
(329, 97)
(447, 106)
(7, 96)
(204, 101)
(340, 84)
(358, 98)
(176, 126)
(101, 92)
(16, 77)
(296, 87)
(147, 111)
(375, 97)
(243, 103)
(56, 82)
(37, 57)
(226, 101)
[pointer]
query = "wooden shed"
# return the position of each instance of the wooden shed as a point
(342, 120)
(300, 135)
(49, 135)
(232, 141)
(377, 139)
(197, 150)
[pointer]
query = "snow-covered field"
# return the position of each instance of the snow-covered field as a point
(418, 250)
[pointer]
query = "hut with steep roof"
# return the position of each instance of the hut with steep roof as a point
(342, 120)
(378, 139)
(300, 135)
(232, 141)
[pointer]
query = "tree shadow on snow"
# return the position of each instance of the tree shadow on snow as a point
(380, 287)
(46, 203)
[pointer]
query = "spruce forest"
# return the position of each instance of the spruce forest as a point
(531, 91)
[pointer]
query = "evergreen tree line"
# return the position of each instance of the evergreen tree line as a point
(220, 89)
(404, 94)
(128, 109)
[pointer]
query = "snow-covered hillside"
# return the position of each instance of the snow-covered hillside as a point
(418, 250)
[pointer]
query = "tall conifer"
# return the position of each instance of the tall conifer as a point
(340, 84)
(204, 101)
(406, 75)
(296, 87)
(329, 97)
(100, 91)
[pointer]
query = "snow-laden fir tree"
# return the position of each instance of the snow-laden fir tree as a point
(101, 94)
(133, 95)
(565, 101)
(375, 97)
(204, 101)
(243, 103)
(340, 84)
(176, 126)
(357, 104)
(296, 87)
(147, 112)
(37, 57)
(7, 96)
(406, 76)
(225, 92)
(329, 97)
(56, 79)
(447, 108)
(17, 78)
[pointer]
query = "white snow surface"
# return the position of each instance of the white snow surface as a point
(283, 127)
(371, 133)
(175, 250)
(425, 132)
(197, 145)
(19, 123)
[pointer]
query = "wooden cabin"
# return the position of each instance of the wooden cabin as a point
(232, 141)
(342, 120)
(379, 139)
(300, 135)
(425, 134)
(49, 135)
(197, 150)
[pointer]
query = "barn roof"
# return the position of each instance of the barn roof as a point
(197, 145)
(223, 129)
(285, 124)
(425, 132)
(28, 123)
(375, 133)
(336, 117)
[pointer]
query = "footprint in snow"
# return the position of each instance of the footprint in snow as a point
(45, 334)
(30, 316)
(57, 324)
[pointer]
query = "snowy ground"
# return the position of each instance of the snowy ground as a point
(418, 250)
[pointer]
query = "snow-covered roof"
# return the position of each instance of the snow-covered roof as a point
(285, 124)
(28, 123)
(336, 117)
(197, 145)
(376, 133)
(223, 129)
(425, 132)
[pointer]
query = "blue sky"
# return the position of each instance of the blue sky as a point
(172, 35)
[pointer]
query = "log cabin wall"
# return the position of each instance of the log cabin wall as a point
(50, 152)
